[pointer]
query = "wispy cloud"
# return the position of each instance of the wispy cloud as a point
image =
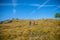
(58, 6)
(35, 5)
(14, 11)
(9, 4)
(14, 3)
(40, 6)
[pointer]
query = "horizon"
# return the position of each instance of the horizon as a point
(28, 9)
(31, 19)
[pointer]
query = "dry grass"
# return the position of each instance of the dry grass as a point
(47, 29)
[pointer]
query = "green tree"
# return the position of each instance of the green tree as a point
(57, 15)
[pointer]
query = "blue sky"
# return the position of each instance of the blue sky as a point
(28, 9)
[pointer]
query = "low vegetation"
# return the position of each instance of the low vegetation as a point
(44, 29)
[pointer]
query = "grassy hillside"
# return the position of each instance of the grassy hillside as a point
(44, 29)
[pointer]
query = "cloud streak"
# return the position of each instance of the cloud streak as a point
(58, 6)
(35, 5)
(40, 6)
(14, 3)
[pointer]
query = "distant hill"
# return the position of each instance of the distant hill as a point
(43, 29)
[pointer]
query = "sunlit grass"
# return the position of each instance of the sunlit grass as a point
(39, 30)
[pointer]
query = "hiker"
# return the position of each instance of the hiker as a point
(31, 23)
